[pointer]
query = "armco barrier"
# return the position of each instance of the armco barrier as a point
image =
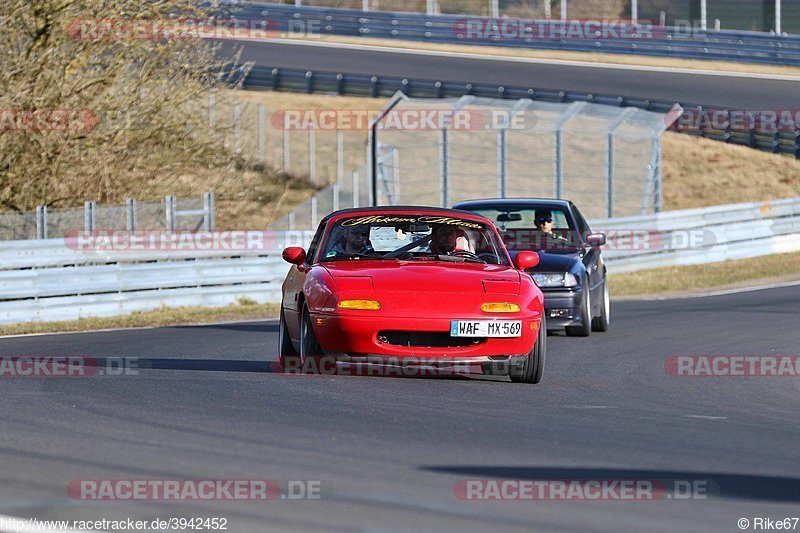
(705, 235)
(50, 280)
(47, 280)
(740, 46)
(296, 80)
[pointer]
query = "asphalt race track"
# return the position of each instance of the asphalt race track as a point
(388, 451)
(718, 90)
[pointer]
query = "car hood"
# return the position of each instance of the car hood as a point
(433, 276)
(552, 262)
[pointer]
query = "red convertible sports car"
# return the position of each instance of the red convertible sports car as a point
(412, 286)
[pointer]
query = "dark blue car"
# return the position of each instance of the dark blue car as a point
(571, 273)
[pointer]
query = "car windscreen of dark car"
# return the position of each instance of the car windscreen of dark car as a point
(412, 237)
(535, 228)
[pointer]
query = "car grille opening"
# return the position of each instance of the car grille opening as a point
(427, 339)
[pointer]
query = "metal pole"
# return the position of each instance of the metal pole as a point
(365, 5)
(130, 207)
(336, 195)
(610, 175)
(703, 15)
(777, 17)
(444, 156)
(312, 151)
(548, 11)
(396, 175)
(563, 9)
(430, 8)
(208, 208)
(339, 156)
(212, 110)
(88, 216)
(635, 11)
(262, 133)
(170, 208)
(558, 170)
(355, 189)
(41, 221)
(237, 126)
(291, 221)
(658, 199)
(286, 149)
(501, 162)
(494, 9)
(314, 220)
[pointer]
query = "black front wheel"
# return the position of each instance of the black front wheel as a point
(585, 327)
(600, 323)
(532, 369)
(287, 355)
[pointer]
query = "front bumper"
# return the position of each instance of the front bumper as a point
(355, 336)
(562, 306)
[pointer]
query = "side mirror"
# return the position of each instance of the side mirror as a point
(526, 260)
(596, 239)
(294, 255)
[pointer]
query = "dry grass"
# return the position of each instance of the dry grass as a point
(687, 279)
(701, 172)
(245, 310)
(592, 57)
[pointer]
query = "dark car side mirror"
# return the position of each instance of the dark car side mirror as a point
(526, 260)
(596, 239)
(294, 255)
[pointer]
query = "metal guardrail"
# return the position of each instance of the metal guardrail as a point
(740, 46)
(53, 279)
(297, 80)
(705, 235)
(48, 280)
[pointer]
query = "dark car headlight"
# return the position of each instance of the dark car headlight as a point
(560, 279)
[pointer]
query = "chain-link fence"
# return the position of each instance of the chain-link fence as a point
(440, 152)
(171, 214)
(753, 15)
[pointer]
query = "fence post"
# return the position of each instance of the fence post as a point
(41, 221)
(558, 163)
(262, 133)
(285, 149)
(170, 209)
(237, 126)
(610, 158)
(336, 195)
(444, 156)
(339, 155)
(212, 110)
(777, 17)
(130, 214)
(502, 153)
(291, 221)
(563, 9)
(356, 198)
(658, 200)
(364, 5)
(314, 220)
(494, 9)
(208, 208)
(396, 175)
(88, 216)
(312, 152)
(548, 12)
(634, 12)
(703, 15)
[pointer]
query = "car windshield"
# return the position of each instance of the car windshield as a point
(535, 228)
(413, 238)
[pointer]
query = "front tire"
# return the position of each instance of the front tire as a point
(600, 323)
(287, 355)
(310, 351)
(585, 327)
(533, 368)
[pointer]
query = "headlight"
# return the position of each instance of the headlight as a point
(556, 280)
(370, 305)
(501, 307)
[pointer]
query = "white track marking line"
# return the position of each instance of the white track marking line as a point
(706, 417)
(726, 291)
(511, 59)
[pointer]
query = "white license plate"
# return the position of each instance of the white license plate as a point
(485, 328)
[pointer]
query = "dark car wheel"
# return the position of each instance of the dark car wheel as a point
(310, 350)
(286, 352)
(600, 323)
(584, 329)
(533, 368)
